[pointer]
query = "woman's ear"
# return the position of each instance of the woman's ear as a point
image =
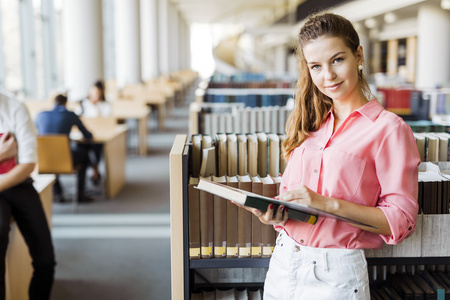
(360, 55)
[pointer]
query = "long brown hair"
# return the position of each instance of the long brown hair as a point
(311, 105)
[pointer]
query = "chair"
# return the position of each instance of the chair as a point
(55, 157)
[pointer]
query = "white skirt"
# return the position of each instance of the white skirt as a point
(301, 272)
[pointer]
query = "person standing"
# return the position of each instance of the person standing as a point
(59, 120)
(346, 155)
(19, 199)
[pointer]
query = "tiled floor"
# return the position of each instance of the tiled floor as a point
(120, 248)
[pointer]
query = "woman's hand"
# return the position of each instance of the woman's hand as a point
(270, 217)
(304, 195)
(343, 208)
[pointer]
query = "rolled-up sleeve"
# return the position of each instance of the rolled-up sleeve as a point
(397, 170)
(25, 132)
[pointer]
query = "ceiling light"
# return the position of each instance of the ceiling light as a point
(445, 4)
(390, 17)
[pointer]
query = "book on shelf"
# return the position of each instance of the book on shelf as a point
(441, 293)
(206, 205)
(232, 145)
(232, 221)
(196, 154)
(421, 145)
(262, 154)
(432, 147)
(222, 153)
(296, 211)
(244, 221)
(256, 250)
(242, 154)
(208, 164)
(434, 185)
(252, 154)
(274, 154)
(269, 189)
(220, 221)
(194, 219)
(443, 145)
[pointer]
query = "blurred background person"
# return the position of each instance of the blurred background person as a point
(59, 120)
(95, 106)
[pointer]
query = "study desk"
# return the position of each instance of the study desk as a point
(141, 116)
(18, 261)
(115, 153)
(114, 142)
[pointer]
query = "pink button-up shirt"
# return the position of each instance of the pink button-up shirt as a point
(371, 160)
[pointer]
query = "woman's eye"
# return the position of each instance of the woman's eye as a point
(337, 60)
(315, 67)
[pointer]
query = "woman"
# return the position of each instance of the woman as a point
(346, 155)
(20, 200)
(95, 106)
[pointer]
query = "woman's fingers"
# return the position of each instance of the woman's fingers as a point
(272, 216)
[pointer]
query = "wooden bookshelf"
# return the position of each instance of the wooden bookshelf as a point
(177, 226)
(429, 244)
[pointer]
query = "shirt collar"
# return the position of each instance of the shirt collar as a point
(371, 110)
(59, 107)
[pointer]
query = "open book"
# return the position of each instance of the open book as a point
(296, 211)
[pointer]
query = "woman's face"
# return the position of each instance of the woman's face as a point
(95, 94)
(334, 67)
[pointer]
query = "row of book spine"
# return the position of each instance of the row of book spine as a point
(244, 119)
(407, 101)
(249, 97)
(433, 146)
(420, 283)
(439, 101)
(217, 227)
(250, 85)
(397, 99)
(227, 294)
(434, 187)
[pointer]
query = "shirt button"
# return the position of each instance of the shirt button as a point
(320, 148)
(410, 228)
(302, 241)
(314, 262)
(315, 170)
(296, 248)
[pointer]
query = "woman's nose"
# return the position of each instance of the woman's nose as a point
(329, 73)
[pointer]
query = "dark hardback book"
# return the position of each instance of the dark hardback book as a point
(296, 211)
(194, 219)
(429, 293)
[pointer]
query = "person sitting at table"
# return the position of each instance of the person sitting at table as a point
(94, 106)
(59, 120)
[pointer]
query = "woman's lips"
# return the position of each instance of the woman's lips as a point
(334, 86)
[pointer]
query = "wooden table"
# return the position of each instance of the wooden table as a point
(141, 116)
(114, 142)
(18, 260)
(115, 154)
